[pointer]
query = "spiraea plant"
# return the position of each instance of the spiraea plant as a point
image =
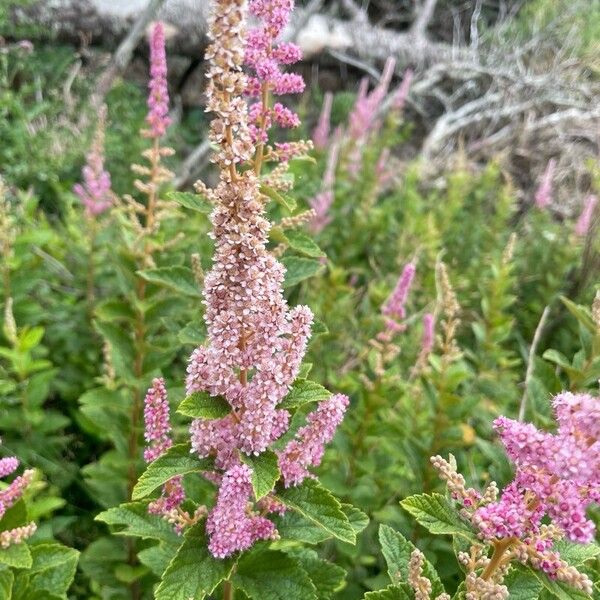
(254, 438)
(532, 535)
(148, 281)
(28, 568)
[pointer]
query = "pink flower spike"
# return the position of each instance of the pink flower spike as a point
(95, 191)
(585, 218)
(543, 195)
(323, 201)
(156, 420)
(401, 93)
(231, 528)
(158, 98)
(321, 132)
(308, 446)
(394, 307)
(8, 465)
(428, 334)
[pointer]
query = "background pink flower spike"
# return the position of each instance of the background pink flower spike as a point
(587, 213)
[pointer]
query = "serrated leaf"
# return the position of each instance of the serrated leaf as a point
(192, 333)
(272, 575)
(193, 572)
(6, 583)
(320, 507)
(15, 516)
(576, 554)
(181, 279)
(437, 515)
(325, 576)
(304, 391)
(201, 405)
(53, 568)
(133, 519)
(399, 591)
(177, 460)
(581, 313)
(358, 519)
(110, 310)
(396, 550)
(285, 201)
(265, 472)
(299, 241)
(298, 269)
(191, 201)
(319, 328)
(17, 556)
(522, 584)
(157, 558)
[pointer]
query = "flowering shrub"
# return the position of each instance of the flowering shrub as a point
(529, 528)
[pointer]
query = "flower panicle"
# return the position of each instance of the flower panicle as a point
(543, 194)
(586, 216)
(557, 477)
(95, 191)
(320, 134)
(158, 97)
(255, 341)
(9, 496)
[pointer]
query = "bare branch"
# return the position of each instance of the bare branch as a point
(424, 16)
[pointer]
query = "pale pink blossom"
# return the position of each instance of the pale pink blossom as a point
(543, 195)
(320, 134)
(158, 98)
(585, 218)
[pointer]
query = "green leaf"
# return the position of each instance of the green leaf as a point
(15, 516)
(358, 519)
(326, 577)
(265, 472)
(181, 279)
(522, 584)
(303, 243)
(319, 328)
(397, 550)
(201, 405)
(285, 201)
(576, 554)
(320, 507)
(581, 313)
(437, 515)
(194, 572)
(191, 201)
(17, 556)
(400, 591)
(304, 391)
(157, 558)
(111, 310)
(121, 346)
(558, 358)
(6, 583)
(192, 333)
(272, 575)
(177, 460)
(53, 567)
(132, 519)
(298, 269)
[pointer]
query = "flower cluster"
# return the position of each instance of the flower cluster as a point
(158, 98)
(157, 432)
(320, 134)
(587, 213)
(95, 191)
(323, 201)
(543, 195)
(255, 343)
(557, 477)
(9, 496)
(394, 310)
(264, 54)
